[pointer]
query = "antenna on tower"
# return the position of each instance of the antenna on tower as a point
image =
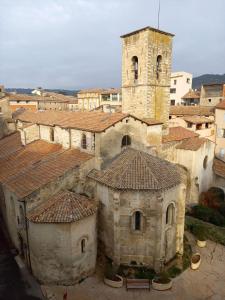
(158, 13)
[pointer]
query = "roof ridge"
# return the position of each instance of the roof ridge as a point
(144, 157)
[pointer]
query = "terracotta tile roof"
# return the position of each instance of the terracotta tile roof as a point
(137, 170)
(10, 144)
(47, 169)
(192, 144)
(149, 121)
(94, 90)
(46, 97)
(15, 108)
(73, 101)
(192, 95)
(87, 121)
(221, 105)
(180, 110)
(111, 91)
(24, 97)
(65, 207)
(198, 120)
(20, 160)
(219, 167)
(178, 134)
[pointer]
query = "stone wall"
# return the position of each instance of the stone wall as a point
(51, 105)
(5, 113)
(29, 134)
(71, 180)
(143, 137)
(200, 178)
(156, 241)
(55, 251)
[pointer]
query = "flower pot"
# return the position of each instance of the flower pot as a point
(161, 286)
(201, 244)
(195, 261)
(114, 283)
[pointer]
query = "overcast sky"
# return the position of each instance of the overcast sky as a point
(76, 43)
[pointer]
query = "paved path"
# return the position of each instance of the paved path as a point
(207, 283)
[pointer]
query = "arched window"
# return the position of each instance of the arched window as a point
(137, 220)
(135, 67)
(170, 214)
(158, 65)
(84, 141)
(83, 244)
(126, 141)
(52, 137)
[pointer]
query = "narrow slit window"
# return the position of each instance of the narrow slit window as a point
(83, 244)
(84, 141)
(135, 68)
(137, 220)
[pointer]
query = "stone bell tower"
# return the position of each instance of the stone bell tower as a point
(146, 69)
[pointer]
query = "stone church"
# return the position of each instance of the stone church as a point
(71, 181)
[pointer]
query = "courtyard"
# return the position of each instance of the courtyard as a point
(207, 283)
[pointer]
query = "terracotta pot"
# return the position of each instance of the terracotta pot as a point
(201, 244)
(112, 283)
(195, 261)
(161, 286)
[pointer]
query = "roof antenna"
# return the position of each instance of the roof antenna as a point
(158, 14)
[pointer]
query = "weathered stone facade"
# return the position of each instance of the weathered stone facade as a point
(145, 91)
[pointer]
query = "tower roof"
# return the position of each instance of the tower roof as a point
(137, 170)
(146, 28)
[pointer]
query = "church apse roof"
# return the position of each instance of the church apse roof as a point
(137, 170)
(64, 207)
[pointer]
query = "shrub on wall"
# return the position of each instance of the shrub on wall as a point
(208, 215)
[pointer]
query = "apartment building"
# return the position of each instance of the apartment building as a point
(180, 84)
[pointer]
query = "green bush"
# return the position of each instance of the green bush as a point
(208, 215)
(174, 272)
(199, 232)
(162, 278)
(214, 233)
(144, 273)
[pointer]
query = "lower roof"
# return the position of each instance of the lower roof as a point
(198, 120)
(178, 134)
(181, 110)
(36, 164)
(64, 207)
(192, 144)
(10, 144)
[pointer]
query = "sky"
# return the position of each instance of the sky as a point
(73, 44)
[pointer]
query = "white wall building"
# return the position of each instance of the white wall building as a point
(180, 84)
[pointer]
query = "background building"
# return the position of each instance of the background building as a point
(180, 84)
(212, 94)
(191, 98)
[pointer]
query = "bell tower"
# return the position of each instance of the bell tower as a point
(146, 69)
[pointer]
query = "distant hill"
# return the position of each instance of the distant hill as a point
(28, 91)
(207, 78)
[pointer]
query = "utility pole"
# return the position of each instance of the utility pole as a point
(158, 13)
